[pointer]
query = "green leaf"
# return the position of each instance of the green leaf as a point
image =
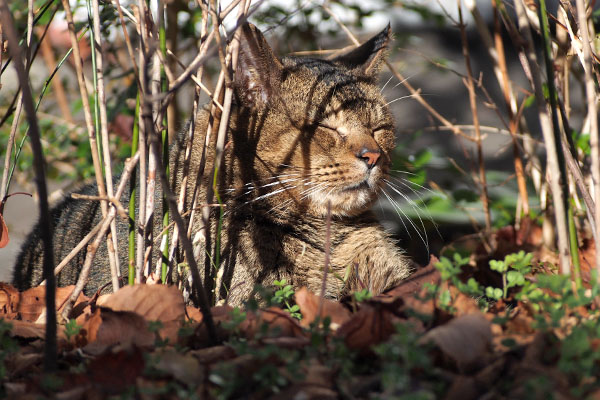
(494, 293)
(528, 102)
(515, 278)
(497, 265)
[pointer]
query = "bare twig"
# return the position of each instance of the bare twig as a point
(546, 125)
(143, 130)
(473, 102)
(76, 250)
(93, 247)
(188, 148)
(113, 200)
(592, 98)
(111, 240)
(327, 256)
(9, 146)
(57, 86)
(228, 66)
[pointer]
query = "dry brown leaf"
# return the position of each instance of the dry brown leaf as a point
(279, 322)
(9, 301)
(464, 304)
(309, 307)
(306, 391)
(15, 390)
(464, 339)
(27, 329)
(210, 355)
(4, 239)
(462, 388)
(370, 325)
(107, 327)
(32, 302)
(154, 303)
(115, 371)
(183, 367)
(193, 314)
(22, 361)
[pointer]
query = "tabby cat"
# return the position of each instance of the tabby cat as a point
(305, 135)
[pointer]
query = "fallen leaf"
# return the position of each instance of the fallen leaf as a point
(183, 367)
(15, 390)
(27, 329)
(115, 371)
(107, 327)
(462, 388)
(464, 339)
(193, 314)
(32, 302)
(372, 324)
(280, 323)
(309, 307)
(9, 301)
(464, 304)
(152, 302)
(210, 355)
(306, 391)
(4, 239)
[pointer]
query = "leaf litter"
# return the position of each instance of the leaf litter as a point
(437, 335)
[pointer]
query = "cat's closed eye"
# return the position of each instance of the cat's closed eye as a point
(329, 128)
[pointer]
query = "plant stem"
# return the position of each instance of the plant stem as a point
(473, 102)
(591, 97)
(549, 138)
(561, 195)
(165, 145)
(111, 240)
(133, 190)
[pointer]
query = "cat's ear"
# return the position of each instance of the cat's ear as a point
(367, 58)
(258, 72)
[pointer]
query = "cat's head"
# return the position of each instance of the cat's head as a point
(319, 131)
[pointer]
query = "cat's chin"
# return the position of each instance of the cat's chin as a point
(348, 202)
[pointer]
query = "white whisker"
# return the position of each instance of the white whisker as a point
(398, 211)
(425, 239)
(407, 183)
(388, 81)
(408, 96)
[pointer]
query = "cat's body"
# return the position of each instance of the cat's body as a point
(305, 135)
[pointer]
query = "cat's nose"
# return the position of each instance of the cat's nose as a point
(369, 156)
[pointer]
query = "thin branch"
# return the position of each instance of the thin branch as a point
(93, 247)
(327, 256)
(473, 102)
(592, 98)
(547, 130)
(111, 240)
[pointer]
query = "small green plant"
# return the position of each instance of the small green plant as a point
(155, 327)
(283, 296)
(513, 269)
(450, 271)
(72, 329)
(273, 368)
(362, 295)
(7, 346)
(237, 317)
(403, 358)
